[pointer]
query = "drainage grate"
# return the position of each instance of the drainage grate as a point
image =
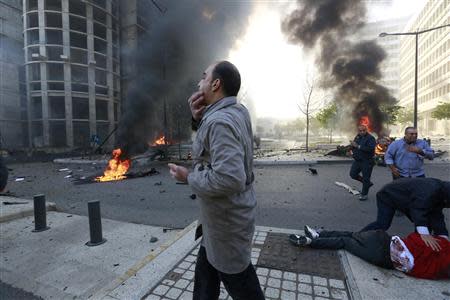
(278, 253)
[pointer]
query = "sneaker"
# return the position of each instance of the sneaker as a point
(311, 233)
(363, 198)
(299, 240)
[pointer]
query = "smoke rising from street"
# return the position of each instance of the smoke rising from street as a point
(171, 56)
(347, 66)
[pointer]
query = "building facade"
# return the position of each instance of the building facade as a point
(390, 68)
(433, 66)
(72, 64)
(13, 100)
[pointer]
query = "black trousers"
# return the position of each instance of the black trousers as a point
(371, 246)
(365, 167)
(240, 286)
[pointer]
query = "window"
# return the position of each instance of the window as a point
(57, 107)
(53, 5)
(101, 109)
(33, 20)
(35, 86)
(100, 31)
(80, 108)
(32, 5)
(99, 46)
(54, 53)
(78, 24)
(55, 71)
(57, 130)
(100, 60)
(77, 7)
(101, 3)
(77, 87)
(81, 133)
(78, 56)
(55, 86)
(32, 50)
(100, 77)
(35, 71)
(79, 74)
(78, 40)
(54, 37)
(36, 108)
(33, 37)
(99, 15)
(53, 20)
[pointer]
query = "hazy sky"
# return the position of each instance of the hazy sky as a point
(272, 70)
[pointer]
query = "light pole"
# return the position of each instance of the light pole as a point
(383, 34)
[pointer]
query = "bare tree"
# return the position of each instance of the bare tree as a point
(313, 98)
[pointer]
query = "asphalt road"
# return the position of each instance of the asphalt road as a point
(288, 196)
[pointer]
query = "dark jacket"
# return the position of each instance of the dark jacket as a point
(3, 174)
(366, 149)
(421, 199)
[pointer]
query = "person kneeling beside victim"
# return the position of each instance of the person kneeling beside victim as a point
(410, 255)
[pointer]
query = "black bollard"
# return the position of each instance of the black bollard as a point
(40, 214)
(95, 224)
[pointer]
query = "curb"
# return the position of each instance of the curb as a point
(50, 206)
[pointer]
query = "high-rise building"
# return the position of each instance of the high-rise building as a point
(390, 67)
(433, 66)
(13, 101)
(72, 65)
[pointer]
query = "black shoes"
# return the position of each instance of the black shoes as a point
(363, 198)
(299, 240)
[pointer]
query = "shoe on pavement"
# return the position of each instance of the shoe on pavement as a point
(299, 240)
(363, 197)
(311, 233)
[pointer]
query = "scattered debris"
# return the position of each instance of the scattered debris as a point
(69, 216)
(193, 196)
(64, 170)
(158, 183)
(116, 265)
(178, 182)
(68, 176)
(162, 191)
(153, 239)
(13, 202)
(348, 188)
(20, 179)
(313, 171)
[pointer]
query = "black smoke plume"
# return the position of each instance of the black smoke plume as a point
(348, 66)
(182, 38)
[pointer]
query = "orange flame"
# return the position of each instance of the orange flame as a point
(380, 149)
(364, 120)
(116, 168)
(160, 141)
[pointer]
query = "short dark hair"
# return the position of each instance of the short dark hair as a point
(229, 77)
(409, 127)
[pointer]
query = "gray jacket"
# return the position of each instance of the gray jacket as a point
(222, 178)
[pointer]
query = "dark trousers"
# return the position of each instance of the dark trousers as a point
(240, 286)
(371, 246)
(365, 167)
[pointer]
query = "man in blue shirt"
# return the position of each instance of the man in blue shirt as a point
(363, 152)
(405, 156)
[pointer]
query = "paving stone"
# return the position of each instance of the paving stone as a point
(182, 283)
(321, 298)
(289, 285)
(338, 294)
(272, 293)
(152, 297)
(256, 250)
(304, 288)
(287, 295)
(190, 287)
(304, 278)
(168, 282)
(337, 283)
(320, 280)
(262, 233)
(321, 291)
(173, 293)
(186, 296)
(262, 271)
(188, 275)
(179, 271)
(304, 297)
(275, 273)
(262, 280)
(261, 238)
(190, 258)
(254, 261)
(161, 290)
(272, 282)
(290, 276)
(259, 243)
(192, 268)
(184, 265)
(255, 254)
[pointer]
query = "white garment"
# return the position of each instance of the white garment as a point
(401, 258)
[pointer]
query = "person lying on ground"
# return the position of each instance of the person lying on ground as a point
(410, 255)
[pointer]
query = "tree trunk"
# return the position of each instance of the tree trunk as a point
(307, 133)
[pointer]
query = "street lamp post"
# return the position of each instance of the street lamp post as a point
(383, 34)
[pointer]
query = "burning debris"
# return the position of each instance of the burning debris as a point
(348, 66)
(117, 167)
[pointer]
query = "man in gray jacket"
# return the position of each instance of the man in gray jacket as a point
(222, 177)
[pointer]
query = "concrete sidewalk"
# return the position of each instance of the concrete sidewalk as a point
(147, 262)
